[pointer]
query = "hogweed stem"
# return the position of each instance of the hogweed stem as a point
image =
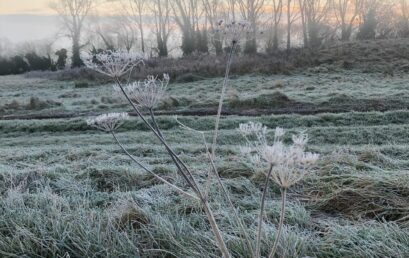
(260, 219)
(280, 225)
(224, 88)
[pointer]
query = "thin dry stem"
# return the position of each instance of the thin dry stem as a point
(150, 171)
(224, 190)
(262, 206)
(216, 230)
(219, 110)
(280, 225)
(187, 175)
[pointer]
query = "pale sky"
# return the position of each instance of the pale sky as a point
(27, 20)
(38, 7)
(41, 7)
(30, 20)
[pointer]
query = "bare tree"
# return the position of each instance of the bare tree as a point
(368, 19)
(403, 19)
(213, 12)
(111, 33)
(251, 11)
(106, 34)
(292, 15)
(346, 13)
(136, 10)
(126, 36)
(73, 14)
(231, 9)
(162, 11)
(276, 14)
(187, 15)
(302, 5)
(388, 20)
(316, 12)
(5, 47)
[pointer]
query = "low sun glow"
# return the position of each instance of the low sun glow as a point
(41, 7)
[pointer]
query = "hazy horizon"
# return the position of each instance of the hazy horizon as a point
(39, 7)
(32, 20)
(19, 28)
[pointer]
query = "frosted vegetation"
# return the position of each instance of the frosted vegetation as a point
(146, 185)
(70, 188)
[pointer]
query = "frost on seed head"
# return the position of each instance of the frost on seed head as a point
(233, 31)
(290, 163)
(112, 63)
(108, 122)
(252, 128)
(148, 93)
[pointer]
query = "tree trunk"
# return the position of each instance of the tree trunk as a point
(288, 26)
(76, 57)
(304, 23)
(162, 47)
(346, 33)
(275, 38)
(142, 38)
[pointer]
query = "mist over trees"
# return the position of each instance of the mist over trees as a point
(73, 14)
(162, 28)
(186, 27)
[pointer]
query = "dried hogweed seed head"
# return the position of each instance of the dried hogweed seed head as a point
(112, 63)
(255, 159)
(246, 150)
(279, 133)
(290, 163)
(294, 162)
(233, 32)
(272, 154)
(108, 122)
(300, 139)
(148, 93)
(309, 159)
(252, 128)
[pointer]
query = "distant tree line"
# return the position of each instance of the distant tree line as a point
(19, 64)
(157, 28)
(283, 23)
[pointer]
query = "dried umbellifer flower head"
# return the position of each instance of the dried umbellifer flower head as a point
(148, 93)
(112, 63)
(290, 163)
(233, 31)
(108, 122)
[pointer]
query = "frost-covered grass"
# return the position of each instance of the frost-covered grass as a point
(319, 88)
(66, 189)
(72, 191)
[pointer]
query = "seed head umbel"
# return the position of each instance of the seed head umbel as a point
(112, 63)
(300, 139)
(108, 122)
(290, 163)
(252, 128)
(233, 31)
(148, 93)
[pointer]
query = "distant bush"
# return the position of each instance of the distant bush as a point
(189, 77)
(32, 62)
(81, 84)
(263, 101)
(62, 58)
(14, 65)
(14, 105)
(37, 104)
(38, 62)
(371, 56)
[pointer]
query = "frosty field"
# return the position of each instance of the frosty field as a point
(66, 188)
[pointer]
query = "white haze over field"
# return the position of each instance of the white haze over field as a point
(20, 29)
(25, 27)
